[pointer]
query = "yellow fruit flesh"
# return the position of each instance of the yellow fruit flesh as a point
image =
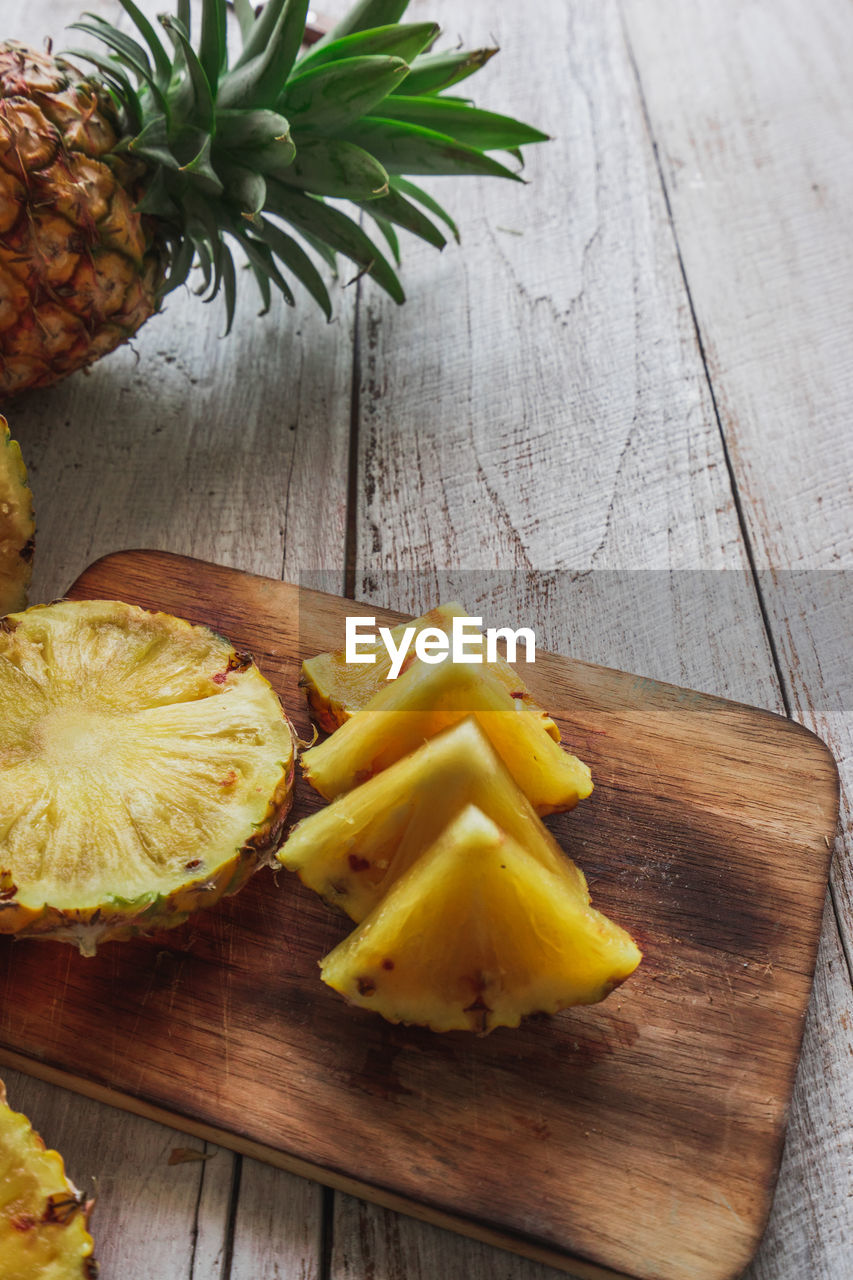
(145, 769)
(352, 851)
(43, 1219)
(17, 526)
(337, 689)
(477, 934)
(428, 698)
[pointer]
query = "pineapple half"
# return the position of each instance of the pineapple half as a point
(428, 698)
(336, 689)
(477, 934)
(43, 1218)
(17, 525)
(354, 850)
(146, 769)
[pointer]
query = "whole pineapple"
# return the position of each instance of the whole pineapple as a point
(113, 186)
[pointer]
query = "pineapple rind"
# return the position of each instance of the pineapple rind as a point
(147, 771)
(353, 850)
(336, 689)
(478, 934)
(43, 1218)
(79, 269)
(17, 525)
(428, 698)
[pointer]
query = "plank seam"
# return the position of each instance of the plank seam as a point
(196, 1213)
(739, 511)
(327, 1233)
(351, 528)
(741, 517)
(231, 1221)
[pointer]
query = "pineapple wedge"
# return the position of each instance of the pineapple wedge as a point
(146, 769)
(43, 1218)
(352, 851)
(337, 689)
(477, 934)
(428, 698)
(17, 526)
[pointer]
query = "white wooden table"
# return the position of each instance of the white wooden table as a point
(641, 361)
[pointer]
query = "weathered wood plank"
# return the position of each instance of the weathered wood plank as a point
(753, 129)
(256, 1222)
(568, 389)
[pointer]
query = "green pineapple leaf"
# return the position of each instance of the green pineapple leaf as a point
(246, 153)
(394, 207)
(409, 148)
(328, 97)
(333, 167)
(367, 14)
(432, 72)
(423, 197)
(192, 97)
(404, 42)
(296, 260)
(386, 229)
(162, 64)
(481, 129)
(258, 82)
(311, 214)
(212, 49)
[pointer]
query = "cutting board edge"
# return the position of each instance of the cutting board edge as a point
(79, 587)
(127, 563)
(525, 1247)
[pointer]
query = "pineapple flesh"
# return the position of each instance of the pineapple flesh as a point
(477, 934)
(337, 689)
(146, 769)
(428, 698)
(43, 1218)
(17, 525)
(352, 851)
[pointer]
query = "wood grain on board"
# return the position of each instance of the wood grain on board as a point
(708, 837)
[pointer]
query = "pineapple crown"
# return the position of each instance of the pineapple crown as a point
(234, 150)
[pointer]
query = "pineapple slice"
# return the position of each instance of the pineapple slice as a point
(352, 851)
(336, 689)
(428, 698)
(43, 1218)
(477, 934)
(17, 526)
(145, 770)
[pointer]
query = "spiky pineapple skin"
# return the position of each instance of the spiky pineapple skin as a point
(79, 267)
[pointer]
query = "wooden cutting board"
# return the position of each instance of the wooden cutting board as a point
(640, 1137)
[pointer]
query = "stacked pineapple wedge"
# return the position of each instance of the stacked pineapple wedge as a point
(469, 914)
